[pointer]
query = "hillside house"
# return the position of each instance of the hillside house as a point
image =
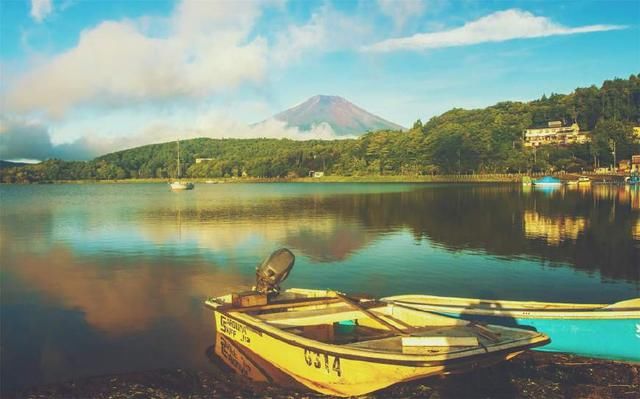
(555, 133)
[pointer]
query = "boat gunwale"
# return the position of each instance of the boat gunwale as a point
(414, 360)
(582, 311)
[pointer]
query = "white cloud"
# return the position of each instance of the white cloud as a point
(402, 10)
(40, 9)
(207, 49)
(326, 30)
(203, 49)
(215, 124)
(291, 43)
(497, 27)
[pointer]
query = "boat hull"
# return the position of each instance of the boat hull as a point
(609, 334)
(336, 373)
(178, 186)
(616, 339)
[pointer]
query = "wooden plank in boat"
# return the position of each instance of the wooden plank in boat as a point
(312, 317)
(439, 341)
(248, 298)
(289, 303)
(373, 316)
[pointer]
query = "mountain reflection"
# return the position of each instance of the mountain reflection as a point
(589, 229)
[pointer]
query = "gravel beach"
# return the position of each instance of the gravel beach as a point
(531, 375)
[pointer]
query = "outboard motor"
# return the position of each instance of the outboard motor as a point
(274, 270)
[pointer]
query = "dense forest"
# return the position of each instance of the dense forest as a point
(459, 141)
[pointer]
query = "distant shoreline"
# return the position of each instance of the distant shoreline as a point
(475, 178)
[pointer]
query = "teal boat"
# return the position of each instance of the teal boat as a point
(548, 181)
(593, 330)
(633, 179)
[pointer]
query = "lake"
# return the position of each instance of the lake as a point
(110, 278)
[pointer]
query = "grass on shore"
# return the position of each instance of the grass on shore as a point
(325, 179)
(475, 178)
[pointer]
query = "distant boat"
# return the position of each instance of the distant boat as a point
(584, 180)
(634, 179)
(595, 330)
(526, 180)
(180, 185)
(547, 181)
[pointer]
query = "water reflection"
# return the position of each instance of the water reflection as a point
(110, 278)
(553, 230)
(126, 298)
(497, 219)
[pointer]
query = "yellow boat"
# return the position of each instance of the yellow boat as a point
(249, 365)
(584, 180)
(338, 345)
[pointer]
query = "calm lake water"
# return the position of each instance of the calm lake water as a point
(100, 279)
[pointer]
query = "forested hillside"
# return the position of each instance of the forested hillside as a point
(459, 141)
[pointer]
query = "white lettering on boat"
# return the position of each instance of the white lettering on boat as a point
(638, 330)
(330, 364)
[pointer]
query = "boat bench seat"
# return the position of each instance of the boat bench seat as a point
(312, 317)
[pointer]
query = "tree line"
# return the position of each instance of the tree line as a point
(460, 141)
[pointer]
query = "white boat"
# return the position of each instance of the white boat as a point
(610, 331)
(179, 185)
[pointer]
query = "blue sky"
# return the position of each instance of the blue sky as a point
(80, 78)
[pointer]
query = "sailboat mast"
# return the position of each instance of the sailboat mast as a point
(178, 159)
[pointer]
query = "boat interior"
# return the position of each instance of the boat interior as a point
(366, 324)
(470, 303)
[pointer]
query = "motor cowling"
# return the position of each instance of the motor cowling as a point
(273, 271)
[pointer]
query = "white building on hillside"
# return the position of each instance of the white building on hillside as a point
(554, 133)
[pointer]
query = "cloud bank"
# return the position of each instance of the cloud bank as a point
(203, 48)
(497, 27)
(28, 140)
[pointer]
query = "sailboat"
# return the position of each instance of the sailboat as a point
(180, 185)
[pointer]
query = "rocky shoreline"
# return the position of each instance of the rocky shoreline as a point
(531, 375)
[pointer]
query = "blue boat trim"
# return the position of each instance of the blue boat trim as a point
(601, 331)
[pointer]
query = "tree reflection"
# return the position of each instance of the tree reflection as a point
(590, 230)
